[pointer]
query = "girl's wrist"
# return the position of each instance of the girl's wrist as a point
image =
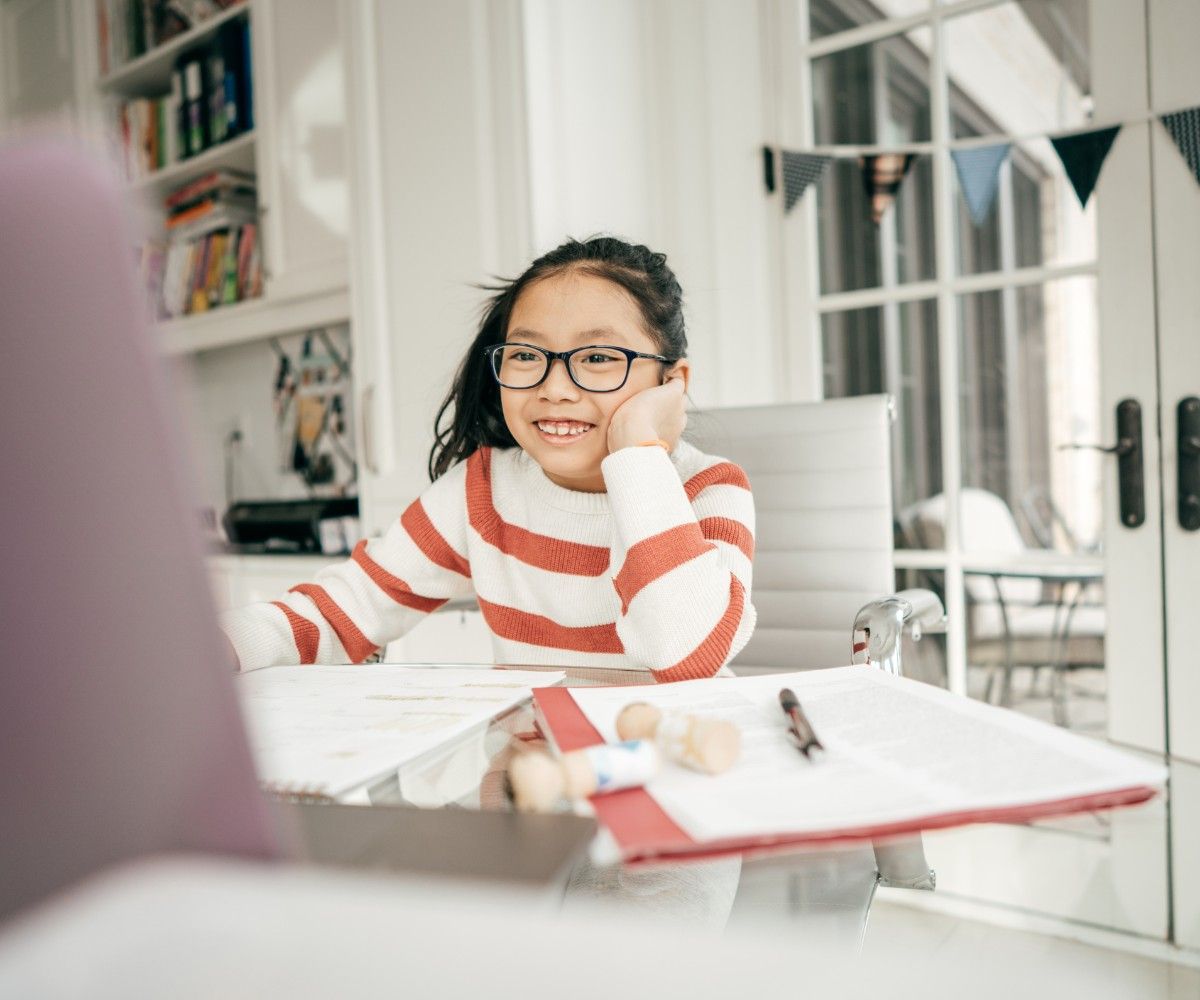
(631, 436)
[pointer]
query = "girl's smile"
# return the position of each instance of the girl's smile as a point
(561, 433)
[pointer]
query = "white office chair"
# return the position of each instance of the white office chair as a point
(821, 477)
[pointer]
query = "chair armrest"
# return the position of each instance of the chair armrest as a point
(879, 626)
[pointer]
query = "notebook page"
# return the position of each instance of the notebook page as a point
(896, 750)
(330, 729)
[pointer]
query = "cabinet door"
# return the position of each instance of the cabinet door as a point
(300, 109)
(37, 74)
(440, 206)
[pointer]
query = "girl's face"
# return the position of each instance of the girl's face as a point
(559, 313)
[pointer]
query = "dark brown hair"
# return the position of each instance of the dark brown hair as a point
(473, 402)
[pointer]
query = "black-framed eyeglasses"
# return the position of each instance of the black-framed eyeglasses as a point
(595, 368)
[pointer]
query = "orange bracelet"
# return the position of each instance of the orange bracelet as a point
(657, 441)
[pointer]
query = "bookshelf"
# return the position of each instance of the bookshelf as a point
(304, 266)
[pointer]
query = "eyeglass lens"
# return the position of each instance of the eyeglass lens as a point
(599, 369)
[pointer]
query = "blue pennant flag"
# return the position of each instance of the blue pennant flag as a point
(979, 176)
(1082, 157)
(1184, 127)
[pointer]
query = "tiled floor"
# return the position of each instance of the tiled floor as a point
(1060, 967)
(959, 956)
(963, 957)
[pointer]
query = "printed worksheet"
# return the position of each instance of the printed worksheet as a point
(895, 750)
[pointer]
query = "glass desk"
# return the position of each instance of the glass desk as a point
(828, 889)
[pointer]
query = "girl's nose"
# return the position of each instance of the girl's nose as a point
(558, 384)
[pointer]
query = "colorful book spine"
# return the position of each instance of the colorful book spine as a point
(178, 126)
(229, 285)
(198, 301)
(193, 94)
(246, 248)
(215, 64)
(214, 279)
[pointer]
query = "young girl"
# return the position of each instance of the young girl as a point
(562, 494)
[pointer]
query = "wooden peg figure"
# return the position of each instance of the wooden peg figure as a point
(709, 745)
(539, 783)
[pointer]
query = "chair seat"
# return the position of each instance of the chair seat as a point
(1032, 636)
(1035, 622)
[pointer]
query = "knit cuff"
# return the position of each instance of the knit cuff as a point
(645, 492)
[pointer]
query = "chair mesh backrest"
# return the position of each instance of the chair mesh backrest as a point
(821, 478)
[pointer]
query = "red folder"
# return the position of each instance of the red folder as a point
(644, 832)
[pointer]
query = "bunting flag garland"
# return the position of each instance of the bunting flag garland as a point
(1082, 157)
(882, 175)
(978, 167)
(799, 171)
(979, 176)
(1184, 127)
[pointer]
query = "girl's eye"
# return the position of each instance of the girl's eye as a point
(520, 356)
(602, 357)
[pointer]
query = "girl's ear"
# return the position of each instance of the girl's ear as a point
(681, 369)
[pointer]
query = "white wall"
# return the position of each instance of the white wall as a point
(646, 120)
(233, 388)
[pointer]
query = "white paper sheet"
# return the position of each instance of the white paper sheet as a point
(330, 729)
(896, 750)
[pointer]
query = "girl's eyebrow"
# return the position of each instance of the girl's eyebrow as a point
(599, 335)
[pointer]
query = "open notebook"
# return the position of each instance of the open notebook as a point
(322, 732)
(901, 757)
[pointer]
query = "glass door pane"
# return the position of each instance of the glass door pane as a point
(1045, 309)
(1030, 505)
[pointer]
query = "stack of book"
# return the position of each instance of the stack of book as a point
(211, 255)
(210, 102)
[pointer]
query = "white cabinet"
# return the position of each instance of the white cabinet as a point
(37, 73)
(239, 580)
(303, 181)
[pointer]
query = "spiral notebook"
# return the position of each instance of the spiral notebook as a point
(320, 733)
(900, 757)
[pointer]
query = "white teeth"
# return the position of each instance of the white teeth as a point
(561, 429)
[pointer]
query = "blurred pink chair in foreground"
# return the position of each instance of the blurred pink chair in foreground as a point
(135, 745)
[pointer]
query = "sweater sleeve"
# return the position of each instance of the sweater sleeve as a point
(684, 579)
(350, 610)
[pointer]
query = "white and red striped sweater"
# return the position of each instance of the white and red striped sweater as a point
(654, 574)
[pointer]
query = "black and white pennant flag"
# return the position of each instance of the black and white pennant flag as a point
(1184, 127)
(799, 171)
(979, 176)
(1082, 157)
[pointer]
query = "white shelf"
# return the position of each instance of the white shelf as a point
(235, 154)
(246, 322)
(150, 72)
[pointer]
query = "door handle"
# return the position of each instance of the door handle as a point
(1187, 461)
(1131, 477)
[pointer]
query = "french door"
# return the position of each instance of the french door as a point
(1039, 346)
